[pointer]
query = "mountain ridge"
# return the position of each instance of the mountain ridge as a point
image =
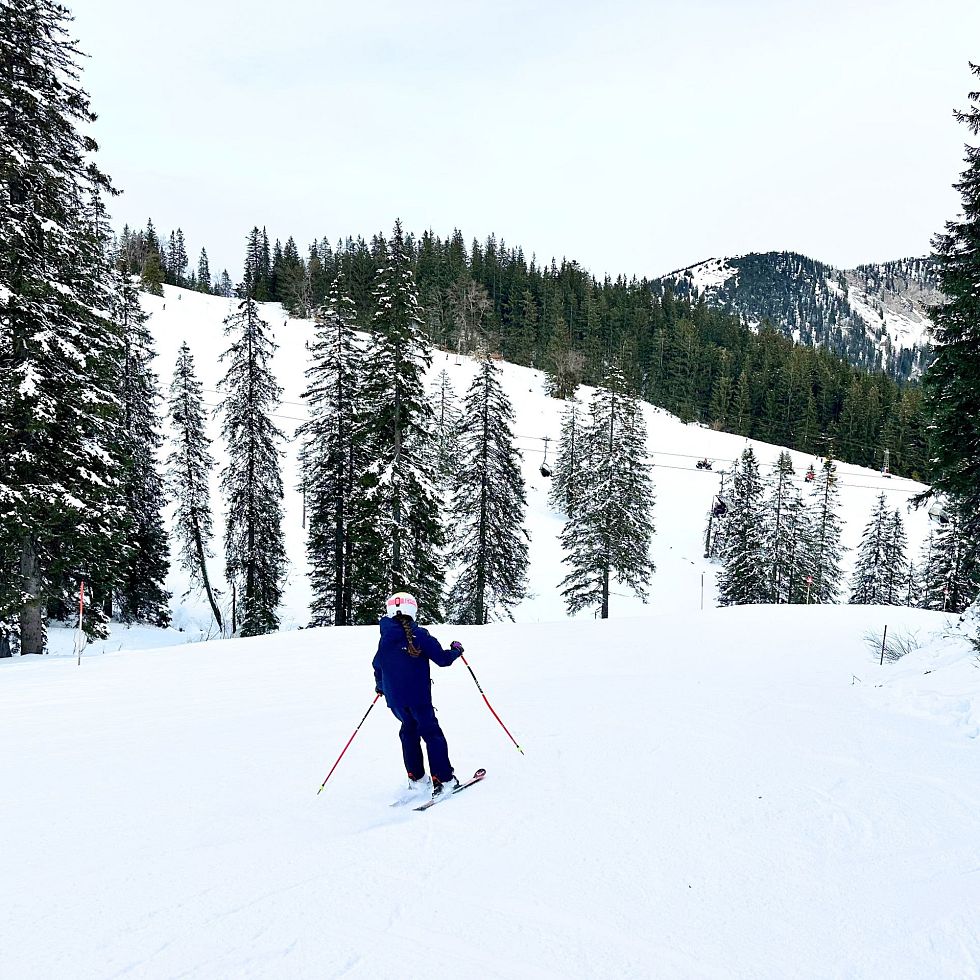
(874, 315)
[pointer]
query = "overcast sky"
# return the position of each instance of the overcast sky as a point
(635, 137)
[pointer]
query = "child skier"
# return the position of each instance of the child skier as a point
(401, 674)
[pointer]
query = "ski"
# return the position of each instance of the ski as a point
(477, 777)
(411, 798)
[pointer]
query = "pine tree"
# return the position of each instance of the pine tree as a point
(799, 533)
(781, 530)
(152, 271)
(447, 422)
(204, 273)
(746, 576)
(398, 521)
(255, 556)
(898, 572)
(144, 569)
(291, 284)
(567, 474)
(912, 586)
(177, 259)
(60, 355)
(951, 575)
(188, 474)
(331, 456)
(610, 529)
(825, 550)
(870, 571)
(488, 507)
(951, 381)
(258, 270)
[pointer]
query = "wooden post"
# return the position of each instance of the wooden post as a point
(882, 661)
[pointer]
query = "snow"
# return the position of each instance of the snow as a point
(723, 793)
(707, 276)
(909, 329)
(733, 793)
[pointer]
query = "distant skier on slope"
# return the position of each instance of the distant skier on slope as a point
(401, 674)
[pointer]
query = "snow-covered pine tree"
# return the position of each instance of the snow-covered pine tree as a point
(565, 476)
(780, 528)
(397, 521)
(331, 456)
(490, 541)
(746, 577)
(188, 474)
(928, 572)
(60, 353)
(897, 570)
(825, 549)
(446, 430)
(799, 534)
(951, 380)
(951, 576)
(870, 570)
(610, 529)
(911, 586)
(255, 556)
(146, 561)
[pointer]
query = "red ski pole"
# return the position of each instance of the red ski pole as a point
(351, 739)
(489, 705)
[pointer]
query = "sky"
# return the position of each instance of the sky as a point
(635, 137)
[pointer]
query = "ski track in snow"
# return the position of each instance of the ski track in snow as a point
(740, 793)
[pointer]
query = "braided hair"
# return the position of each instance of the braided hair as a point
(406, 624)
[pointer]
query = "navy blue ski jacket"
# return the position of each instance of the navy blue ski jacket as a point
(402, 678)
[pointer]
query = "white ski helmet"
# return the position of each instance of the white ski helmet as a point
(402, 602)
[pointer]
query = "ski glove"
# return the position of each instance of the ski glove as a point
(378, 690)
(457, 646)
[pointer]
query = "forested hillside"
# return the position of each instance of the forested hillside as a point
(874, 316)
(679, 349)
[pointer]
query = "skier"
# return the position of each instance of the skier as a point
(401, 674)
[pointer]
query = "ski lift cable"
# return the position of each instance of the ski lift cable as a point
(272, 415)
(282, 401)
(653, 453)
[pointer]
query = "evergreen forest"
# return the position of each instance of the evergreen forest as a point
(701, 363)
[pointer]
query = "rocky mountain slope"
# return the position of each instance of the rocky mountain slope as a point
(874, 315)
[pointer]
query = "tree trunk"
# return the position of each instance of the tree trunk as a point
(199, 546)
(32, 634)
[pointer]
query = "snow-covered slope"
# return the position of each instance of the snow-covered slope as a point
(875, 315)
(684, 493)
(739, 793)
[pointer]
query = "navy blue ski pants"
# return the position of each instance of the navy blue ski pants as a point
(419, 722)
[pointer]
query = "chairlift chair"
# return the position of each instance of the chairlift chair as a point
(545, 468)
